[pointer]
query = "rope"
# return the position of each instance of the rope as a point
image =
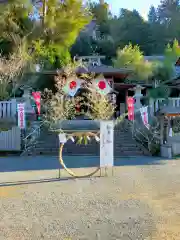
(70, 172)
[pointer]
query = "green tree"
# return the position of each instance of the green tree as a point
(16, 24)
(152, 15)
(84, 45)
(11, 72)
(46, 29)
(131, 57)
(102, 15)
(168, 11)
(62, 23)
(131, 27)
(164, 71)
(50, 35)
(169, 17)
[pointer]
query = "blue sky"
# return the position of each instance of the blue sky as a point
(141, 5)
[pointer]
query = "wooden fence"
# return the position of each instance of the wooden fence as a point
(10, 140)
(8, 109)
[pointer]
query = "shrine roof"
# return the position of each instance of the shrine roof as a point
(169, 111)
(160, 58)
(154, 58)
(103, 69)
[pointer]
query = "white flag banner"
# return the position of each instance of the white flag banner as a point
(144, 115)
(21, 115)
(106, 144)
(170, 132)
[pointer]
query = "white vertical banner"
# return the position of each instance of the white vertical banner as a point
(170, 132)
(106, 144)
(21, 115)
(144, 115)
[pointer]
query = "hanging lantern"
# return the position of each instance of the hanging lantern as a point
(71, 87)
(102, 86)
(37, 99)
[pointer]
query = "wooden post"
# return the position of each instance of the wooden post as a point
(126, 96)
(167, 129)
(151, 103)
(106, 146)
(162, 130)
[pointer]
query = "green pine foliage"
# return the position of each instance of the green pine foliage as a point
(49, 28)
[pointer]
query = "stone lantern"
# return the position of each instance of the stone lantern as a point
(27, 99)
(137, 96)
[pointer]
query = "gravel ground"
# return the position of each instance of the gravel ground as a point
(140, 202)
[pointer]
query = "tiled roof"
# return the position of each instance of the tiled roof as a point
(91, 26)
(161, 58)
(103, 69)
(170, 110)
(154, 58)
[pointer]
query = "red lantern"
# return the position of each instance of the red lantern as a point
(130, 103)
(37, 99)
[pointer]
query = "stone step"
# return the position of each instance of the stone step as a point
(51, 145)
(115, 132)
(93, 153)
(84, 148)
(55, 153)
(54, 138)
(129, 153)
(116, 138)
(124, 145)
(42, 152)
(124, 149)
(88, 147)
(76, 150)
(122, 140)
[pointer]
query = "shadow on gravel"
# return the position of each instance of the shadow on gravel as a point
(44, 180)
(15, 183)
(14, 164)
(139, 161)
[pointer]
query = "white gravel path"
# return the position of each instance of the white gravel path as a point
(138, 203)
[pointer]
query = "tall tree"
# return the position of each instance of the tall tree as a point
(47, 29)
(168, 10)
(52, 26)
(169, 16)
(165, 71)
(131, 27)
(102, 15)
(85, 45)
(131, 56)
(62, 22)
(152, 15)
(16, 24)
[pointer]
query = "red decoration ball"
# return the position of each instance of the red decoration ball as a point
(102, 85)
(72, 84)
